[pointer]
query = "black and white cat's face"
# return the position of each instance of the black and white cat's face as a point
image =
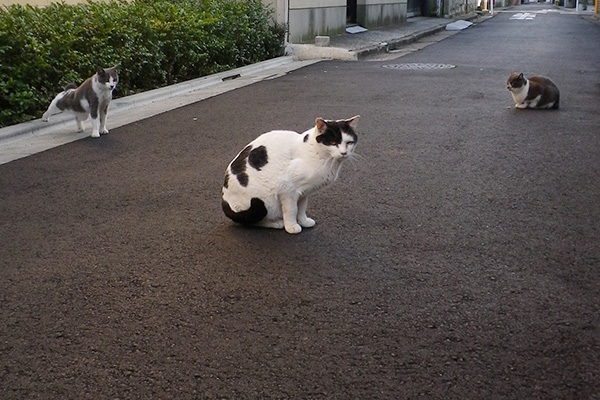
(338, 136)
(515, 82)
(108, 77)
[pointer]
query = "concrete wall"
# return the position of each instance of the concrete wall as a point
(310, 18)
(376, 13)
(458, 7)
(278, 7)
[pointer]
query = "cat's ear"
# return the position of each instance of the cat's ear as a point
(321, 125)
(521, 76)
(353, 122)
(100, 71)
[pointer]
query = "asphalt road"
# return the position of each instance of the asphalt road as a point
(456, 258)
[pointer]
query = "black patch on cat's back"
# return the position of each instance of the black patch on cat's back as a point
(252, 215)
(226, 181)
(305, 138)
(238, 166)
(70, 100)
(258, 157)
(242, 179)
(544, 87)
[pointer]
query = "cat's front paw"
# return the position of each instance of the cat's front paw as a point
(296, 228)
(307, 222)
(521, 105)
(104, 131)
(45, 118)
(95, 134)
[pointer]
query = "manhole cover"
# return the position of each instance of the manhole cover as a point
(418, 66)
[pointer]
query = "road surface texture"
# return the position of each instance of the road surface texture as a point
(457, 258)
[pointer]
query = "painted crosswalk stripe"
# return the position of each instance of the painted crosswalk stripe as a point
(526, 16)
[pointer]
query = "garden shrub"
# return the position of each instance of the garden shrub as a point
(154, 42)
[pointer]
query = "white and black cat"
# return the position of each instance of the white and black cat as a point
(533, 92)
(91, 99)
(268, 183)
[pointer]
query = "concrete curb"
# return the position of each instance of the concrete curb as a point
(65, 121)
(396, 43)
(302, 52)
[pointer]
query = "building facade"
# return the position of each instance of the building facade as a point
(307, 19)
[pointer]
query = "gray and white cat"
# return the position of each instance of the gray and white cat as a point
(90, 99)
(268, 183)
(533, 92)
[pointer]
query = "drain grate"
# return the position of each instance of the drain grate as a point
(425, 66)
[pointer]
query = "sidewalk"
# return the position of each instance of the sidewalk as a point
(28, 138)
(355, 46)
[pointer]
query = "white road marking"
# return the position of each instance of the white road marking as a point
(523, 16)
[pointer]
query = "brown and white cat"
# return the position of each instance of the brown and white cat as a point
(90, 99)
(268, 183)
(533, 92)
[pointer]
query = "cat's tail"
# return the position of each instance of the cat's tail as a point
(251, 216)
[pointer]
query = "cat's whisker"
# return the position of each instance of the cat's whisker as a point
(355, 158)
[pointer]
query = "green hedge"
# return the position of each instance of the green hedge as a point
(154, 42)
